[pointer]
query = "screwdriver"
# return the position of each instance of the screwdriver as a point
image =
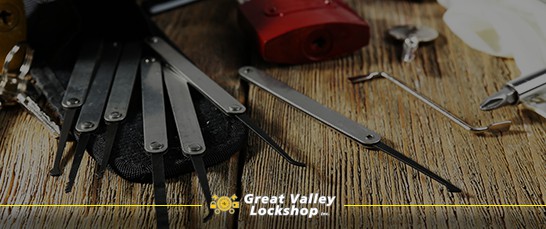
(526, 89)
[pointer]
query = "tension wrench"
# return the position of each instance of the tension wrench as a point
(493, 127)
(350, 128)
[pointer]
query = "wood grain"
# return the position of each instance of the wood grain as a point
(508, 168)
(501, 169)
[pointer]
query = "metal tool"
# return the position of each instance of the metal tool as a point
(494, 127)
(412, 36)
(529, 90)
(352, 129)
(154, 7)
(119, 99)
(17, 87)
(211, 90)
(189, 132)
(92, 110)
(155, 132)
(75, 95)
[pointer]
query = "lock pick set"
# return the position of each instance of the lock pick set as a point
(144, 111)
(168, 73)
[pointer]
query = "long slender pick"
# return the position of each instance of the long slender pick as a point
(75, 94)
(92, 110)
(69, 117)
(111, 131)
(78, 156)
(331, 118)
(206, 86)
(155, 132)
(120, 97)
(189, 131)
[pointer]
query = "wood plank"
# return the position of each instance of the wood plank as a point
(27, 149)
(508, 168)
(500, 169)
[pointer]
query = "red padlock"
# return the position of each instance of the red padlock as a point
(303, 31)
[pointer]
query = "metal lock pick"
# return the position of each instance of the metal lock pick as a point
(492, 128)
(155, 134)
(212, 91)
(119, 99)
(350, 128)
(92, 110)
(75, 94)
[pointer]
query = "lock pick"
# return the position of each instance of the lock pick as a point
(119, 99)
(92, 111)
(350, 128)
(212, 91)
(155, 133)
(75, 95)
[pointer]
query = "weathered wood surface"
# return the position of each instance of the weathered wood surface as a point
(508, 168)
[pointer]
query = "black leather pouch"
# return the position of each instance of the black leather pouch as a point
(56, 31)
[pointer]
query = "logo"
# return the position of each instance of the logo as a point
(289, 205)
(224, 204)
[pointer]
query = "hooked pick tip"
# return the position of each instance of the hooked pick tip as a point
(362, 78)
(493, 127)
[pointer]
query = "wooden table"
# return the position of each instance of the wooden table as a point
(508, 168)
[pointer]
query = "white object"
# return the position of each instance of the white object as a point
(506, 28)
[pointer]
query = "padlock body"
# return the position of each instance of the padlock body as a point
(13, 29)
(302, 31)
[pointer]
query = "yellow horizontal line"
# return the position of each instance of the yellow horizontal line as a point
(100, 205)
(445, 205)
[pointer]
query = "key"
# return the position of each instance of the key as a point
(412, 36)
(31, 106)
(15, 88)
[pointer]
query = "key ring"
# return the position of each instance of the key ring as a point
(27, 61)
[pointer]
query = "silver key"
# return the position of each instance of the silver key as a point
(14, 87)
(27, 102)
(412, 36)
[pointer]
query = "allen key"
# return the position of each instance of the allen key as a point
(492, 128)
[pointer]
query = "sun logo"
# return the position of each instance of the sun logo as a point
(224, 204)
